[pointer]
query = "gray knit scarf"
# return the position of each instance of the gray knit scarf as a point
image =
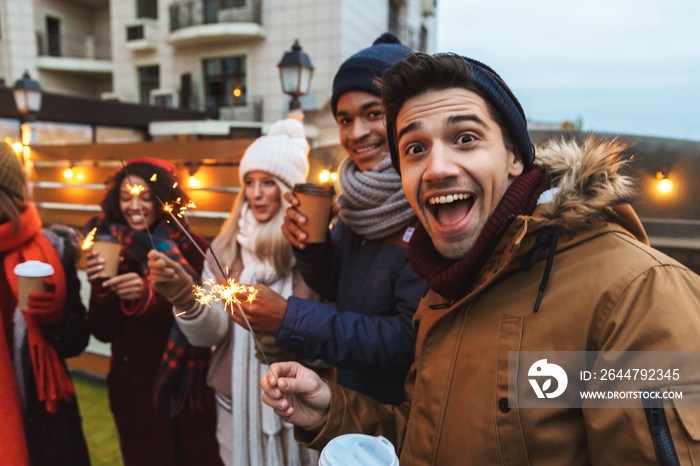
(373, 204)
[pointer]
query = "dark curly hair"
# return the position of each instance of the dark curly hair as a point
(162, 187)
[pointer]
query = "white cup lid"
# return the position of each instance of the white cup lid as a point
(33, 269)
(358, 450)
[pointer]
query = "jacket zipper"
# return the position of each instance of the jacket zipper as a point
(658, 427)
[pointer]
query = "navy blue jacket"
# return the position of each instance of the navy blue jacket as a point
(368, 334)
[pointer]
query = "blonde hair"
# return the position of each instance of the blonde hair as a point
(270, 244)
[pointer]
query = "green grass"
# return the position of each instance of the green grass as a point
(98, 424)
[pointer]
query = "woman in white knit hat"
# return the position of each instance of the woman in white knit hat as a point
(250, 244)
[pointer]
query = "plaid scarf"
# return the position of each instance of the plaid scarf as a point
(182, 374)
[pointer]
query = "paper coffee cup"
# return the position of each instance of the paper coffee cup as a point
(315, 203)
(82, 259)
(108, 248)
(358, 450)
(30, 278)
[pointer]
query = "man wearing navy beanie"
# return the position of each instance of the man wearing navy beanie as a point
(362, 266)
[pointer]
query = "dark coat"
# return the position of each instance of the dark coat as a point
(368, 334)
(148, 436)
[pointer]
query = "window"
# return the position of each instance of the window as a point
(224, 81)
(53, 36)
(148, 80)
(147, 9)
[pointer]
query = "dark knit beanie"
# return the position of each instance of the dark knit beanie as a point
(11, 175)
(357, 73)
(501, 97)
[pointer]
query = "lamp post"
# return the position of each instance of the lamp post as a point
(27, 93)
(295, 73)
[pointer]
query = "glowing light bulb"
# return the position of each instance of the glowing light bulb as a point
(664, 186)
(334, 176)
(17, 147)
(194, 182)
(324, 176)
(68, 173)
(237, 92)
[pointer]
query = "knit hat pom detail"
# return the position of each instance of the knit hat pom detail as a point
(386, 38)
(289, 127)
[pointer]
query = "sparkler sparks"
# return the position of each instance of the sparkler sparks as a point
(135, 189)
(154, 177)
(89, 239)
(230, 293)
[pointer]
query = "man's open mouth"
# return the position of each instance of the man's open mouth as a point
(451, 208)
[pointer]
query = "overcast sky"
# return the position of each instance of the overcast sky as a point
(623, 66)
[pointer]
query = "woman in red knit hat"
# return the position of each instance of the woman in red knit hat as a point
(163, 410)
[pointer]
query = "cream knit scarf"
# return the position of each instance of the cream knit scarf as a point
(373, 204)
(260, 437)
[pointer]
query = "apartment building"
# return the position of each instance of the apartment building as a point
(217, 56)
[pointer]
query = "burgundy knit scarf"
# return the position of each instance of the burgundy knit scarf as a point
(453, 279)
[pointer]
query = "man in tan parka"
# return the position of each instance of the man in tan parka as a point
(521, 254)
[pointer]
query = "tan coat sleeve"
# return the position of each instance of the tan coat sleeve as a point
(351, 412)
(658, 310)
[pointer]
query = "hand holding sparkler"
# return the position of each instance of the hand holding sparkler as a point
(296, 393)
(265, 313)
(171, 280)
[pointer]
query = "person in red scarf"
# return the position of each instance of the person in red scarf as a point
(39, 418)
(163, 410)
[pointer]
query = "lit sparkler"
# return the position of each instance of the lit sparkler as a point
(230, 294)
(89, 239)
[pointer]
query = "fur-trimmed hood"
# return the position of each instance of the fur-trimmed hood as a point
(590, 185)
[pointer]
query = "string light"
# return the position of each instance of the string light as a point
(663, 184)
(327, 175)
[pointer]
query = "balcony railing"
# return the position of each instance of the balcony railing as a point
(188, 13)
(242, 109)
(73, 46)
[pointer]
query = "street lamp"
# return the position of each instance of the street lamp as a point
(27, 96)
(27, 93)
(295, 73)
